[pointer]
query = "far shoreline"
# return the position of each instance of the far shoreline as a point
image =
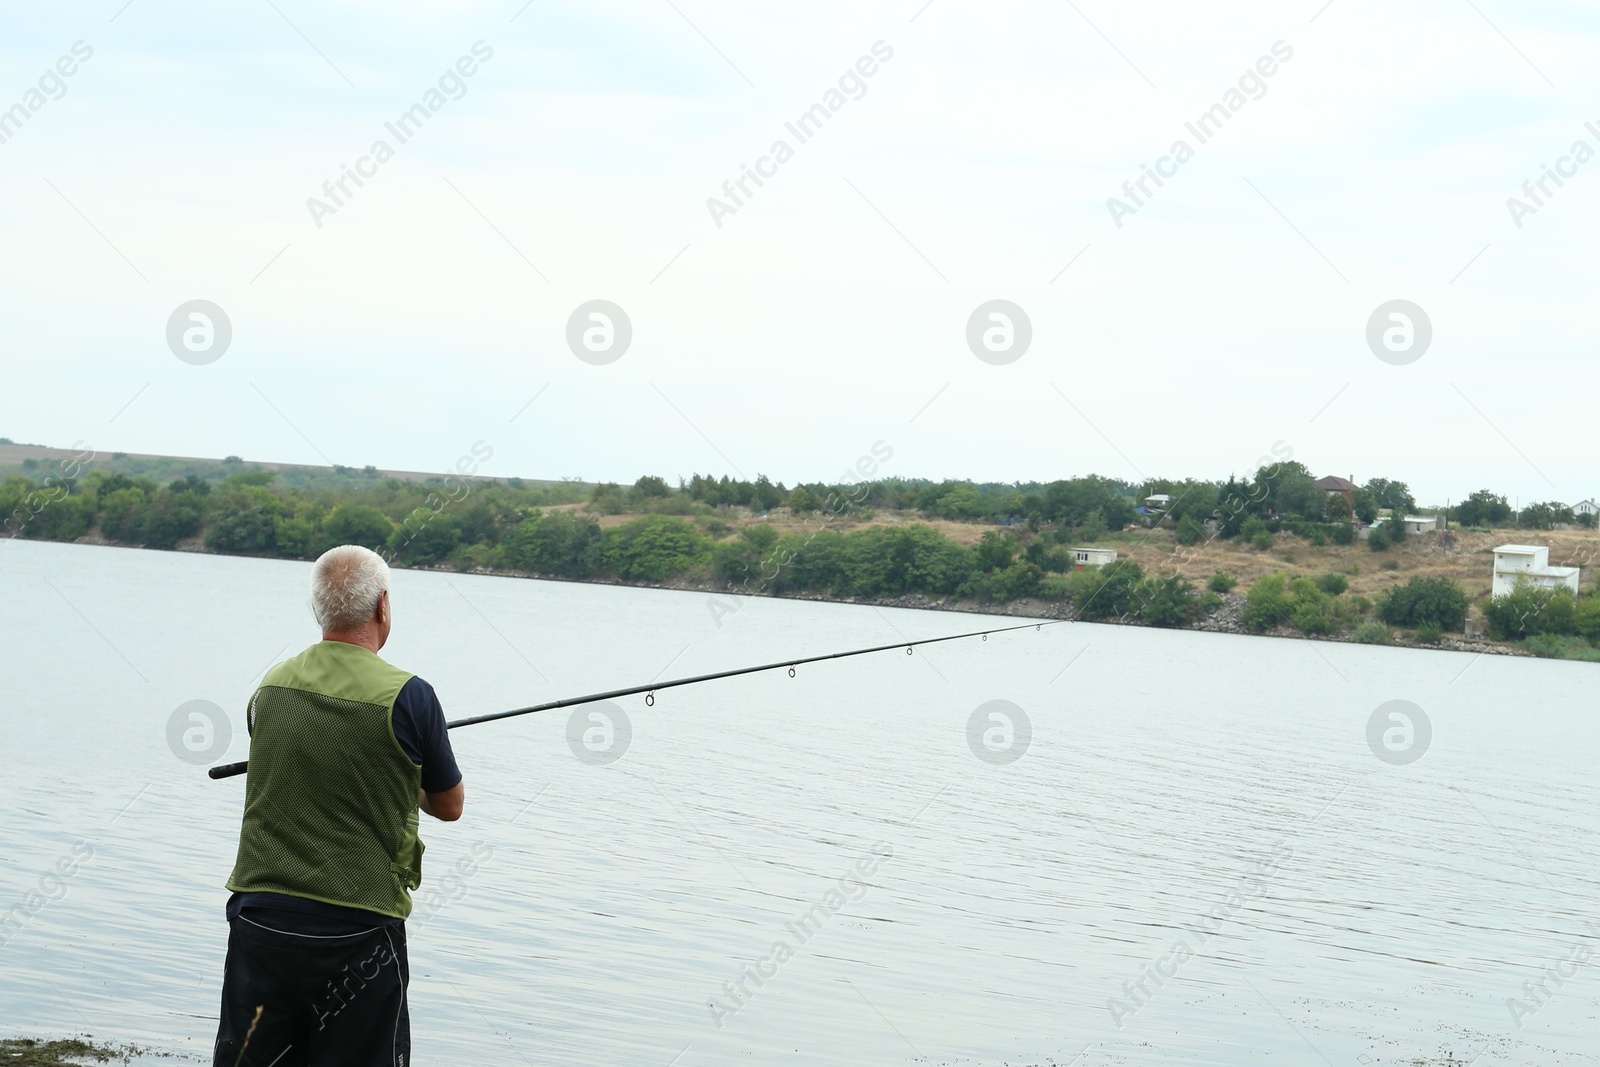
(1223, 620)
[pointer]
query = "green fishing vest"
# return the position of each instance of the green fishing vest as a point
(330, 804)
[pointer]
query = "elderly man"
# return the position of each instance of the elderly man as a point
(344, 749)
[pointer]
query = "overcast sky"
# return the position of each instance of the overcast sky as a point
(1221, 320)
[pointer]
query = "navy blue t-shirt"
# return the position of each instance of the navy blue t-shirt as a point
(419, 727)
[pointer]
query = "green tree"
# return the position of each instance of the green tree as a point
(299, 535)
(173, 516)
(242, 519)
(1289, 491)
(1530, 609)
(56, 517)
(122, 514)
(1190, 531)
(654, 548)
(1266, 604)
(1332, 584)
(1166, 601)
(1586, 617)
(1544, 516)
(959, 501)
(1396, 496)
(355, 524)
(1309, 609)
(1425, 601)
(994, 551)
(650, 487)
(1484, 508)
(1366, 506)
(1105, 592)
(765, 496)
(425, 537)
(559, 543)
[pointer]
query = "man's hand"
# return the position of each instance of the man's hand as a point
(446, 806)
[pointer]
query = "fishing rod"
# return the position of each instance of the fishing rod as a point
(229, 770)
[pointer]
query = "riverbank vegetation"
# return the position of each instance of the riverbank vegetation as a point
(1291, 545)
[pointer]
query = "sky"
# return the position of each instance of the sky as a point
(1359, 153)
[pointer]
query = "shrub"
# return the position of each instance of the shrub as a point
(1020, 579)
(1378, 539)
(1309, 609)
(653, 548)
(1435, 602)
(1586, 618)
(1266, 604)
(1389, 565)
(355, 524)
(559, 543)
(1553, 646)
(1190, 531)
(1529, 610)
(1344, 533)
(1262, 540)
(1221, 582)
(1429, 633)
(1372, 633)
(1105, 592)
(1168, 601)
(1332, 584)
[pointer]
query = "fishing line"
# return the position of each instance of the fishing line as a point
(650, 689)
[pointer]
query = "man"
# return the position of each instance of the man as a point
(344, 749)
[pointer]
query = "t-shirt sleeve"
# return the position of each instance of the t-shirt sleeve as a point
(419, 727)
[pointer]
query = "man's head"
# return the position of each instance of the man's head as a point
(350, 596)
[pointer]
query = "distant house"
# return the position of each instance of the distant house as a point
(1586, 507)
(1415, 524)
(1345, 487)
(1158, 502)
(1532, 563)
(1092, 557)
(1335, 484)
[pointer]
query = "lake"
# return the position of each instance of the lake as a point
(1199, 849)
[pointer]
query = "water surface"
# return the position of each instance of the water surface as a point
(1360, 911)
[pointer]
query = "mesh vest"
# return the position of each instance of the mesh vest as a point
(330, 808)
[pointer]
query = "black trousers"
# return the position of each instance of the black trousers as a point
(330, 994)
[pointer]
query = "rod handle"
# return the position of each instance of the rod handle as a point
(228, 770)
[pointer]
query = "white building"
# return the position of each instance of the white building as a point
(1530, 562)
(1158, 502)
(1585, 507)
(1415, 524)
(1092, 557)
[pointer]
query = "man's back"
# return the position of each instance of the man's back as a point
(331, 800)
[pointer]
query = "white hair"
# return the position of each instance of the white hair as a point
(346, 583)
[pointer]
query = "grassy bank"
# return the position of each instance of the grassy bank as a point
(873, 541)
(66, 1052)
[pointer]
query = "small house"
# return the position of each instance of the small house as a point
(1158, 502)
(1415, 524)
(1531, 563)
(1585, 507)
(1092, 557)
(1345, 487)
